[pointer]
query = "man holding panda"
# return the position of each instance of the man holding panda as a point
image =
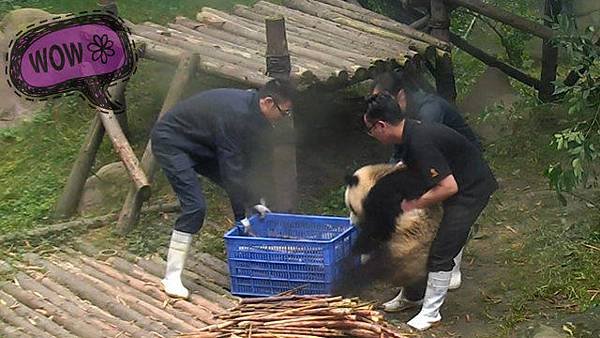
(457, 176)
(428, 108)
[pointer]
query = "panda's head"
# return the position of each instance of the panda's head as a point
(360, 183)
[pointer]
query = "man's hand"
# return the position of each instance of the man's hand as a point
(408, 205)
(244, 226)
(261, 209)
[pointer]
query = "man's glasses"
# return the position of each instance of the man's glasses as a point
(287, 112)
(371, 128)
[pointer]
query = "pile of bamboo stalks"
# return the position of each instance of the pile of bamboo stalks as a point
(298, 316)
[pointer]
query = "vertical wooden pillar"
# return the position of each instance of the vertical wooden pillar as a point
(444, 71)
(549, 53)
(284, 152)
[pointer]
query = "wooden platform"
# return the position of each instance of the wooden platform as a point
(108, 294)
(328, 40)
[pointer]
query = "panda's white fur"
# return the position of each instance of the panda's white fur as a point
(397, 243)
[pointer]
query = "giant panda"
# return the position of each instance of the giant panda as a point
(396, 243)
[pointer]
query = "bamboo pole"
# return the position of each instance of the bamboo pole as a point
(41, 321)
(493, 62)
(506, 17)
(549, 54)
(132, 206)
(9, 331)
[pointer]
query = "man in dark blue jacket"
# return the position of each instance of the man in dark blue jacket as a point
(420, 105)
(428, 108)
(213, 134)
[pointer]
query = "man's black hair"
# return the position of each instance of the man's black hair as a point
(280, 90)
(383, 107)
(393, 81)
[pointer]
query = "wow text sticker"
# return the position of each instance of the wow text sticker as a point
(84, 53)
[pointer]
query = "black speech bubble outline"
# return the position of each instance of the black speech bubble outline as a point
(93, 88)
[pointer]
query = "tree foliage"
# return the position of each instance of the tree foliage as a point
(578, 145)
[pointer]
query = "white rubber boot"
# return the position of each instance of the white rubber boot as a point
(400, 303)
(178, 249)
(437, 289)
(456, 279)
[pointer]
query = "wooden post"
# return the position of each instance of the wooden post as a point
(67, 203)
(130, 212)
(444, 72)
(549, 53)
(284, 150)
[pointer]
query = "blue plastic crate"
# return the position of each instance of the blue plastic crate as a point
(288, 251)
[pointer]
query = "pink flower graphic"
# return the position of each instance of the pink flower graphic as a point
(101, 48)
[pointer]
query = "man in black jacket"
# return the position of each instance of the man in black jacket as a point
(212, 134)
(457, 176)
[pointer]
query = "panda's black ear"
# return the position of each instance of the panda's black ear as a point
(351, 180)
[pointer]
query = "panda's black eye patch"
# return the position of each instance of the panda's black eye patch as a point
(351, 180)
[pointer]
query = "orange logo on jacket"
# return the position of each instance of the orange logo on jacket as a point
(433, 173)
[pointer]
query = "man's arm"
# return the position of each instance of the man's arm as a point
(231, 168)
(446, 188)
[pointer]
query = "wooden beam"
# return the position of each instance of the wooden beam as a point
(444, 72)
(506, 17)
(130, 212)
(494, 62)
(284, 149)
(549, 54)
